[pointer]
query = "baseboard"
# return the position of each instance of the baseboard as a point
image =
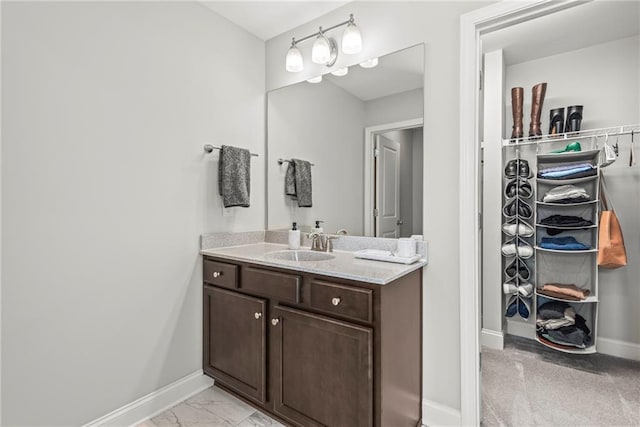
(435, 414)
(155, 402)
(618, 348)
(492, 339)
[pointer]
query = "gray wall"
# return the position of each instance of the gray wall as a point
(387, 27)
(105, 190)
(603, 78)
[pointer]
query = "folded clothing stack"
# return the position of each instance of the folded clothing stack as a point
(567, 243)
(564, 221)
(572, 170)
(566, 194)
(557, 322)
(559, 290)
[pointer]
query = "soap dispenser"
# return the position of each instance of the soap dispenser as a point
(318, 229)
(294, 237)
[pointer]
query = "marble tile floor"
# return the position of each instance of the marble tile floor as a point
(527, 384)
(211, 408)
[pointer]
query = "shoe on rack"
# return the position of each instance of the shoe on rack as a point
(509, 288)
(574, 118)
(574, 146)
(524, 307)
(512, 306)
(517, 99)
(517, 268)
(525, 289)
(537, 100)
(518, 187)
(517, 167)
(518, 228)
(517, 247)
(517, 207)
(556, 121)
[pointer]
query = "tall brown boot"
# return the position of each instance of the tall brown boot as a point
(537, 100)
(517, 96)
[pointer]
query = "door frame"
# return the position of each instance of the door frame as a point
(369, 170)
(472, 26)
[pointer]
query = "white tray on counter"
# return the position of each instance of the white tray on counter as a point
(387, 256)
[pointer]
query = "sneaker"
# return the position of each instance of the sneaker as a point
(512, 306)
(517, 229)
(518, 247)
(518, 187)
(517, 268)
(524, 307)
(517, 207)
(525, 289)
(509, 288)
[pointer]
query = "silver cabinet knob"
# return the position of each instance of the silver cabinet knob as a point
(217, 273)
(257, 315)
(275, 321)
(335, 301)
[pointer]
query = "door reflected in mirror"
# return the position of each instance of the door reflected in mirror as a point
(363, 134)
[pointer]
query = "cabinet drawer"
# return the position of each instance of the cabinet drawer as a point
(220, 274)
(281, 286)
(342, 300)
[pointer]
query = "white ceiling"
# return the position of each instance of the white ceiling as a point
(267, 19)
(573, 28)
(395, 73)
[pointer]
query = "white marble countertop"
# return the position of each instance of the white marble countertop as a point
(344, 265)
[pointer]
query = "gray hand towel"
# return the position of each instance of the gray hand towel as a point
(234, 176)
(303, 182)
(290, 181)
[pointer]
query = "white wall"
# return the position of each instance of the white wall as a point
(395, 108)
(387, 27)
(105, 191)
(605, 79)
(321, 123)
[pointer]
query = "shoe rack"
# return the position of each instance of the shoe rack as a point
(518, 234)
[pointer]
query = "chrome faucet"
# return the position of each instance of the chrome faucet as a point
(317, 242)
(330, 238)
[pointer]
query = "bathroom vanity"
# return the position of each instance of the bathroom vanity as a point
(332, 342)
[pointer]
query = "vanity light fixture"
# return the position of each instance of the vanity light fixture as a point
(340, 72)
(369, 63)
(315, 79)
(325, 49)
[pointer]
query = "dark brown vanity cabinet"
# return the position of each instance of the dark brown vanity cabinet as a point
(315, 350)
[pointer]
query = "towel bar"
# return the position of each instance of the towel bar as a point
(208, 148)
(281, 161)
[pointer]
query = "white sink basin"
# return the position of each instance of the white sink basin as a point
(292, 255)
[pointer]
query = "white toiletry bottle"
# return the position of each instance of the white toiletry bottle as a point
(294, 237)
(318, 229)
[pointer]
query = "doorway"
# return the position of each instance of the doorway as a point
(393, 179)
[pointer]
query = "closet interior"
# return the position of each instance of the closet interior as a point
(541, 193)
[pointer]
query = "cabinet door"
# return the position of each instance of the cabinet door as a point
(322, 369)
(235, 341)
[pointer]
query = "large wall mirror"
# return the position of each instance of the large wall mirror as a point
(362, 132)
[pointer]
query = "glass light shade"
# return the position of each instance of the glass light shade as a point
(340, 72)
(351, 39)
(369, 63)
(315, 79)
(321, 51)
(294, 60)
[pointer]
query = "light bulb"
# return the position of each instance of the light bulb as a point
(369, 63)
(321, 51)
(315, 79)
(294, 59)
(351, 39)
(340, 72)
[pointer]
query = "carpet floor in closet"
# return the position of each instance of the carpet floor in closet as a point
(528, 384)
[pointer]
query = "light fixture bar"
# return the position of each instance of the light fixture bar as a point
(316, 34)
